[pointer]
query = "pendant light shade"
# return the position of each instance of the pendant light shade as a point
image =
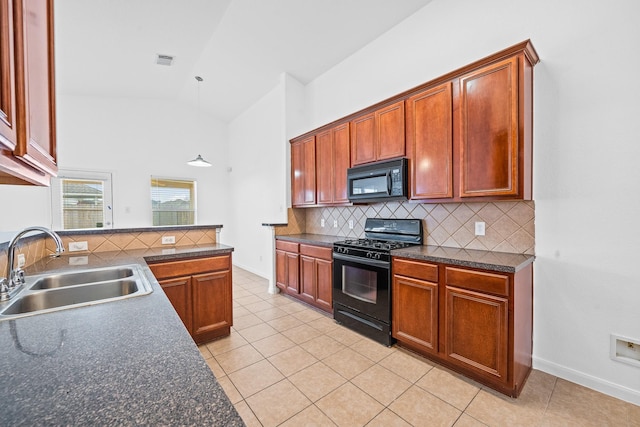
(199, 162)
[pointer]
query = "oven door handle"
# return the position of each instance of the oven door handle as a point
(366, 261)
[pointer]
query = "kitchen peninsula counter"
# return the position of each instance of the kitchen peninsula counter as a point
(118, 363)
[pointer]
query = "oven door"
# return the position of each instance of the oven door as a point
(363, 285)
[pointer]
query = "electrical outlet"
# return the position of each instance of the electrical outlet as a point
(335, 223)
(168, 240)
(350, 224)
(480, 228)
(322, 222)
(78, 246)
(21, 260)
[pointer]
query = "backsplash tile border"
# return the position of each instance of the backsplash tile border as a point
(510, 225)
(37, 247)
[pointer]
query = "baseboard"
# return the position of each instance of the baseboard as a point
(251, 270)
(595, 383)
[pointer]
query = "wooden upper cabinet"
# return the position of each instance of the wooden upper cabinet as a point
(378, 135)
(8, 133)
(27, 97)
(489, 130)
(390, 129)
(430, 143)
(468, 135)
(303, 172)
(363, 139)
(35, 57)
(332, 161)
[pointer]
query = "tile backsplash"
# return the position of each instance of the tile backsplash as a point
(36, 248)
(510, 226)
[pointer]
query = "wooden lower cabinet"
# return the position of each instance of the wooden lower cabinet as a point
(306, 273)
(200, 291)
(178, 290)
(287, 270)
(415, 285)
(476, 322)
(477, 329)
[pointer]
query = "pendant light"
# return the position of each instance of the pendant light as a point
(199, 161)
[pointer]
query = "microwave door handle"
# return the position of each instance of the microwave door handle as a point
(389, 183)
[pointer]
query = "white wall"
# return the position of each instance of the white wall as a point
(586, 153)
(257, 149)
(133, 139)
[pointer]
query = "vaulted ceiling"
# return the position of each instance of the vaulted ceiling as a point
(240, 47)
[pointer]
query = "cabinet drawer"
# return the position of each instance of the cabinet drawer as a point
(287, 246)
(189, 267)
(477, 281)
(316, 252)
(416, 269)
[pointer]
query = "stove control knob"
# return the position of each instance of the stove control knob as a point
(369, 255)
(377, 256)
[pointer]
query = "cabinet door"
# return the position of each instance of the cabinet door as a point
(341, 162)
(303, 170)
(281, 269)
(477, 335)
(212, 306)
(488, 134)
(430, 143)
(324, 166)
(363, 139)
(324, 286)
(7, 77)
(293, 284)
(332, 161)
(35, 75)
(308, 281)
(390, 140)
(415, 313)
(178, 292)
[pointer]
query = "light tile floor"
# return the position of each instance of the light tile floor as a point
(286, 364)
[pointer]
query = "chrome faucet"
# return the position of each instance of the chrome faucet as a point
(15, 278)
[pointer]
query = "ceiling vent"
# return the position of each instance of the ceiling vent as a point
(164, 59)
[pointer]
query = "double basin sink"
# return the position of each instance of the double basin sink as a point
(58, 291)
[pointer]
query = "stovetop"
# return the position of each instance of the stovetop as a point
(383, 245)
(384, 235)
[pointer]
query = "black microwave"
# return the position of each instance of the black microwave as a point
(378, 182)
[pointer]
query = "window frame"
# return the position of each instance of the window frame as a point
(194, 192)
(57, 204)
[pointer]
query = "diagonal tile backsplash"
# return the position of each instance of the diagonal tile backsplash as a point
(510, 226)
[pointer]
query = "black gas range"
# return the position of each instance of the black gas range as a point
(362, 275)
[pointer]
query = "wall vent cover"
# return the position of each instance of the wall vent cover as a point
(164, 59)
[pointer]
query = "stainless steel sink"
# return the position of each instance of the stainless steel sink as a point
(52, 292)
(82, 277)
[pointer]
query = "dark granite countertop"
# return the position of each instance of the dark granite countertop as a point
(118, 363)
(487, 260)
(312, 239)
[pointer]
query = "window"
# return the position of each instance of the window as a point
(81, 200)
(173, 201)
